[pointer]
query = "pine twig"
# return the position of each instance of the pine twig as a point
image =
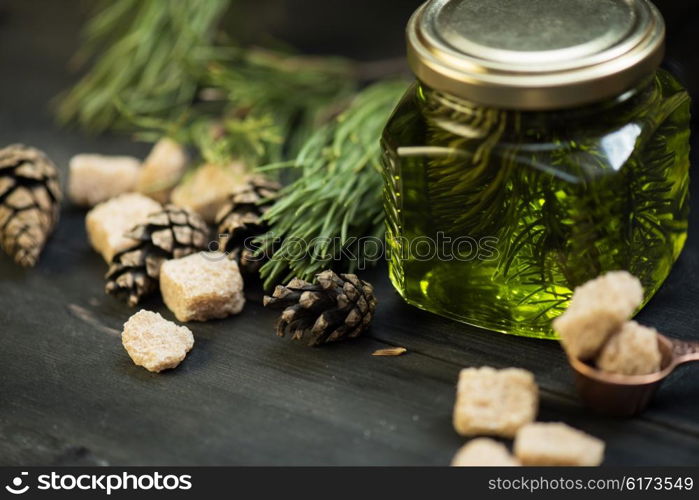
(149, 56)
(336, 197)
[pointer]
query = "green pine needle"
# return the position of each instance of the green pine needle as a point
(164, 69)
(149, 57)
(337, 196)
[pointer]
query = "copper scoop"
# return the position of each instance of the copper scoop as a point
(627, 395)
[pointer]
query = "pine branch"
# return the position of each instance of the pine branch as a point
(162, 74)
(291, 93)
(149, 57)
(165, 70)
(337, 194)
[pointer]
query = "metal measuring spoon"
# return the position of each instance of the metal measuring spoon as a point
(626, 395)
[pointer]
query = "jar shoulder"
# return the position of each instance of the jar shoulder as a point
(407, 120)
(590, 141)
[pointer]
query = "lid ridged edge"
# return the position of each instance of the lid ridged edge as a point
(537, 88)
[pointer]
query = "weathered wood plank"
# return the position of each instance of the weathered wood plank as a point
(70, 392)
(70, 395)
(675, 405)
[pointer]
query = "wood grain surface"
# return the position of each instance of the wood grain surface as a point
(69, 394)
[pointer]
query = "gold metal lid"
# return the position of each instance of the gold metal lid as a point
(535, 54)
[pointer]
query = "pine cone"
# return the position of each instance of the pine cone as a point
(30, 198)
(170, 234)
(335, 308)
(240, 220)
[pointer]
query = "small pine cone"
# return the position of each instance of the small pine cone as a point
(30, 198)
(170, 234)
(240, 220)
(335, 308)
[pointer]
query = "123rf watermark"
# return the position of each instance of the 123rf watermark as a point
(98, 483)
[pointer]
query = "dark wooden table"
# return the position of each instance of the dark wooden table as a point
(69, 394)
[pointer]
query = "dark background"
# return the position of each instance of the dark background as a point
(69, 394)
(361, 29)
(371, 29)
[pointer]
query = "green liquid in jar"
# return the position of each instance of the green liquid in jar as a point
(495, 216)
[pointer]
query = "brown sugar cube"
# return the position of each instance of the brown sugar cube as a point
(109, 221)
(557, 444)
(494, 402)
(483, 452)
(97, 178)
(155, 343)
(208, 188)
(598, 308)
(162, 170)
(632, 351)
(202, 286)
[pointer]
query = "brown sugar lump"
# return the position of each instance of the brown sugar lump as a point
(632, 351)
(557, 444)
(483, 452)
(97, 178)
(108, 222)
(155, 343)
(202, 286)
(209, 187)
(494, 402)
(162, 170)
(598, 308)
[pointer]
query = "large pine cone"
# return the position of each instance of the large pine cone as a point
(240, 220)
(170, 234)
(335, 308)
(30, 198)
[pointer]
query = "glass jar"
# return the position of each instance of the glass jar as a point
(539, 148)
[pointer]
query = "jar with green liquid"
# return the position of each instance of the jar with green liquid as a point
(540, 147)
